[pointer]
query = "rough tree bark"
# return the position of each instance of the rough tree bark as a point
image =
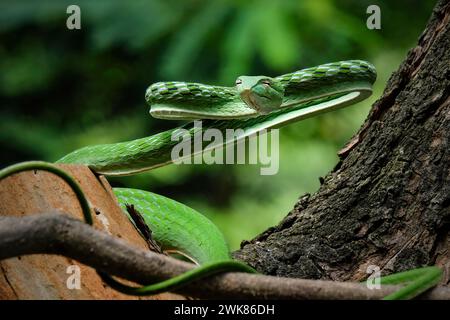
(386, 203)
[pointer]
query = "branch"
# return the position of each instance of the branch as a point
(55, 233)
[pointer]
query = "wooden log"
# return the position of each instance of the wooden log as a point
(51, 276)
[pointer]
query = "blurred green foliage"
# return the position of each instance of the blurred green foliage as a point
(62, 89)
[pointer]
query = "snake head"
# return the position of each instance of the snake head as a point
(261, 93)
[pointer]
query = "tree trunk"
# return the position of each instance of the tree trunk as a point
(386, 203)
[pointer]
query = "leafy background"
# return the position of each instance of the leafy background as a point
(61, 89)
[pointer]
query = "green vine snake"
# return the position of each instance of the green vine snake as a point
(253, 104)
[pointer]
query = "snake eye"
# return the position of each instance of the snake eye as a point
(266, 82)
(238, 81)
